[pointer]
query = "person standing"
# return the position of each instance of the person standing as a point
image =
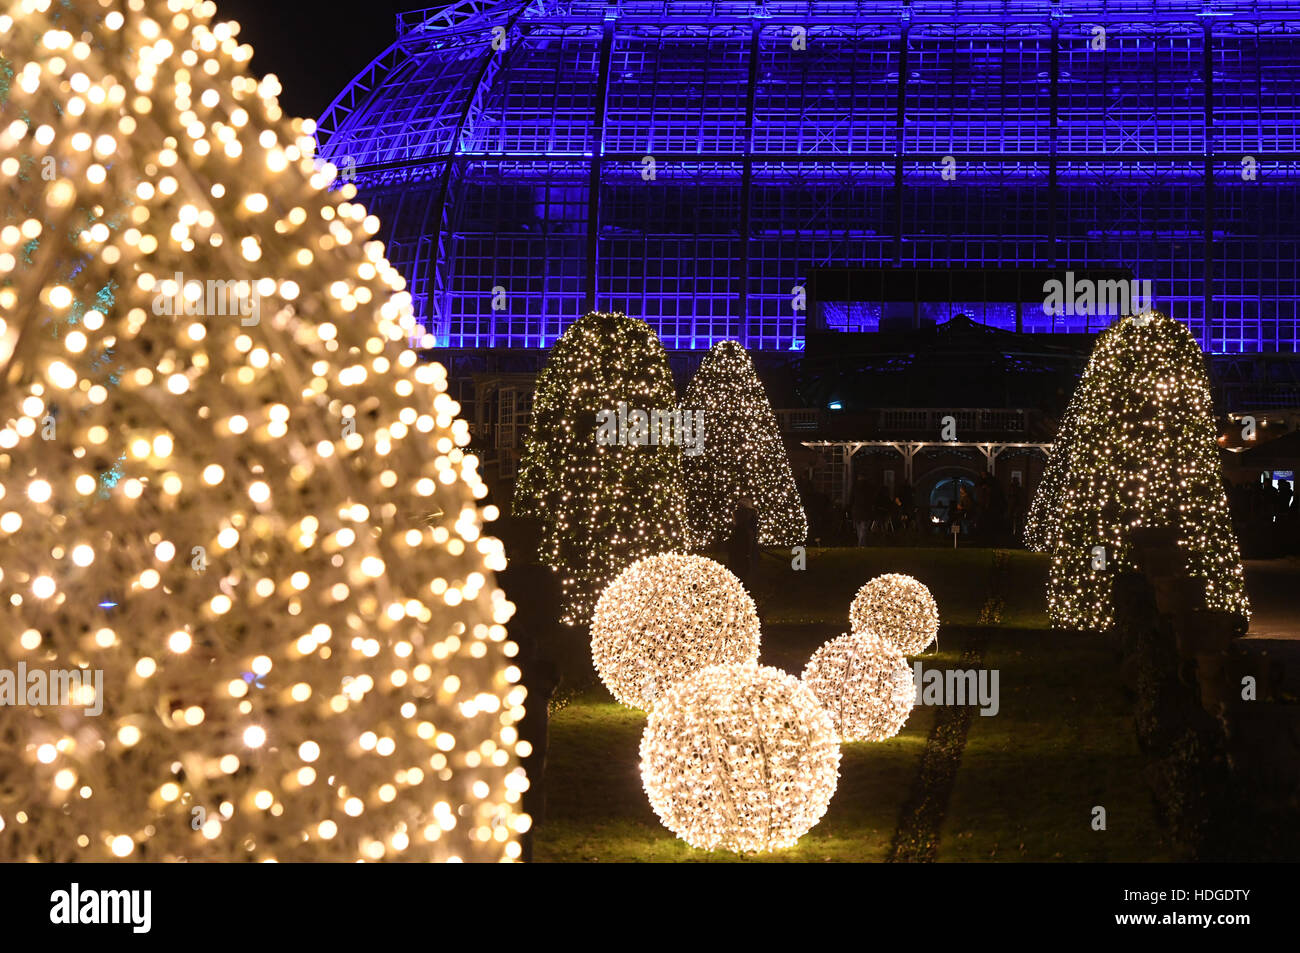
(907, 505)
(860, 507)
(1015, 508)
(535, 592)
(965, 510)
(742, 554)
(880, 511)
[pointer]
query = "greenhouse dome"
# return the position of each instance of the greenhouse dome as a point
(703, 163)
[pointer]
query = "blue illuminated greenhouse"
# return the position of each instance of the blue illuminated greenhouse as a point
(704, 164)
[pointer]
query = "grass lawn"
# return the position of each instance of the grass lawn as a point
(958, 578)
(1062, 742)
(596, 810)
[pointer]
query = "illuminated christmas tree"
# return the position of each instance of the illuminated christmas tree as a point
(742, 455)
(276, 635)
(1043, 523)
(602, 461)
(31, 166)
(1142, 455)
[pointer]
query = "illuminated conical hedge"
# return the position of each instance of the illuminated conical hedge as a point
(1042, 525)
(742, 455)
(603, 506)
(281, 612)
(1143, 454)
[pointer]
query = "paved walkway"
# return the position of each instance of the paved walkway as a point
(1274, 589)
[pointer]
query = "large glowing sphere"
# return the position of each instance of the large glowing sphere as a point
(865, 685)
(898, 609)
(740, 758)
(665, 617)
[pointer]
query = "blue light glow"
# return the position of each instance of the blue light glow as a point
(992, 134)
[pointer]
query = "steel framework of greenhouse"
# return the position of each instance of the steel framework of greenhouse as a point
(506, 147)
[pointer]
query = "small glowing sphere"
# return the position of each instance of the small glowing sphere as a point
(864, 684)
(665, 617)
(739, 757)
(898, 609)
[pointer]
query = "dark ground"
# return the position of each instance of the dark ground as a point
(1021, 785)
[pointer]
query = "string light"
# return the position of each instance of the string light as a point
(665, 617)
(864, 684)
(602, 506)
(1143, 455)
(1043, 523)
(898, 609)
(743, 455)
(740, 758)
(231, 539)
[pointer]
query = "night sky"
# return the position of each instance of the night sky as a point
(314, 48)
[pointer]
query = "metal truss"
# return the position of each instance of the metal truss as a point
(692, 161)
(909, 449)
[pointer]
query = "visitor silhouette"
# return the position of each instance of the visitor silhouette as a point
(742, 548)
(535, 592)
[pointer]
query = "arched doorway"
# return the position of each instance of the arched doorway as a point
(937, 501)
